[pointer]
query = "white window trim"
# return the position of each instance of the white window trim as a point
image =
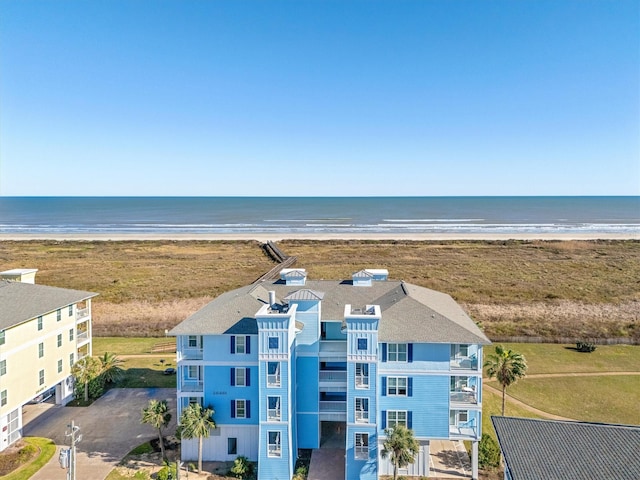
(276, 376)
(396, 422)
(397, 352)
(397, 388)
(241, 344)
(241, 377)
(361, 400)
(277, 417)
(360, 452)
(362, 385)
(244, 408)
(274, 450)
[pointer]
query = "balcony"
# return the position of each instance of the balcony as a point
(462, 431)
(466, 396)
(82, 313)
(463, 363)
(333, 350)
(191, 386)
(189, 354)
(333, 411)
(82, 337)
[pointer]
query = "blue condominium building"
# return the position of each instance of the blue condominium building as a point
(301, 364)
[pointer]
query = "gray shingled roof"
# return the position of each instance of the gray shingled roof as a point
(554, 450)
(20, 302)
(409, 313)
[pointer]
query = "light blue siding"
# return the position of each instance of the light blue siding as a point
(218, 348)
(307, 384)
(275, 467)
(308, 426)
(219, 393)
(357, 469)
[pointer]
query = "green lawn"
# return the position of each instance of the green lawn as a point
(47, 449)
(128, 345)
(557, 358)
(492, 405)
(607, 399)
(145, 372)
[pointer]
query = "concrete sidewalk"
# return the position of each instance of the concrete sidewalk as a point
(110, 429)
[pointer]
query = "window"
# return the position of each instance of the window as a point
(3, 367)
(1, 337)
(193, 341)
(59, 315)
(273, 409)
(60, 366)
(232, 446)
(192, 372)
(273, 447)
(71, 359)
(362, 344)
(41, 377)
(3, 398)
(40, 350)
(240, 344)
(396, 417)
(71, 310)
(397, 386)
(59, 340)
(362, 446)
(397, 352)
(39, 323)
(273, 374)
(273, 343)
(362, 410)
(362, 375)
(71, 334)
(239, 408)
(240, 377)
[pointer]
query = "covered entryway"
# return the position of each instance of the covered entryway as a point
(333, 435)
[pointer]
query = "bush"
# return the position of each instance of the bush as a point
(586, 347)
(168, 472)
(301, 473)
(488, 452)
(241, 467)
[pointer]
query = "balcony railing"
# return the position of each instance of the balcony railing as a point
(362, 416)
(463, 430)
(466, 395)
(464, 363)
(333, 406)
(333, 348)
(82, 313)
(192, 386)
(82, 336)
(190, 354)
(333, 376)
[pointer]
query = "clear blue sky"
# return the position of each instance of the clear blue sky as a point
(429, 97)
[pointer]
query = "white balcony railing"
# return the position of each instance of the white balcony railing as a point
(466, 395)
(192, 386)
(333, 406)
(190, 354)
(463, 363)
(82, 313)
(82, 336)
(333, 376)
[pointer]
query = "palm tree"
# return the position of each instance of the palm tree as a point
(157, 415)
(85, 370)
(400, 446)
(196, 422)
(507, 366)
(111, 367)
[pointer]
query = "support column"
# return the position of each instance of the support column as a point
(474, 460)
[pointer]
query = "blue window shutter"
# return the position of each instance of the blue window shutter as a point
(410, 352)
(233, 377)
(384, 386)
(233, 409)
(247, 341)
(384, 352)
(233, 344)
(247, 405)
(410, 386)
(409, 419)
(384, 419)
(247, 376)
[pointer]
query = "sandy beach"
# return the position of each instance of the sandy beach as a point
(265, 237)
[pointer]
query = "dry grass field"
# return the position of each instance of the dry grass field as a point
(530, 288)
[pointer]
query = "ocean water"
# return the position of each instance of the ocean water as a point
(317, 215)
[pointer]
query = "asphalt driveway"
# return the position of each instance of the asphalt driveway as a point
(110, 429)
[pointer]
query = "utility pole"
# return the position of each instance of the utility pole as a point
(67, 457)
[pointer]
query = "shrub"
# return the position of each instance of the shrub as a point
(586, 347)
(168, 472)
(241, 467)
(301, 473)
(488, 452)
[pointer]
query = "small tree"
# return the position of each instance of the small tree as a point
(157, 415)
(196, 422)
(400, 447)
(111, 367)
(507, 366)
(488, 452)
(241, 467)
(85, 370)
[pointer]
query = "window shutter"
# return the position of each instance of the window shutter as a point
(233, 377)
(247, 377)
(410, 352)
(247, 341)
(384, 386)
(233, 344)
(247, 408)
(233, 409)
(384, 352)
(384, 419)
(409, 419)
(410, 386)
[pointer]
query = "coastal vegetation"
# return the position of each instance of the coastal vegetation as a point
(543, 289)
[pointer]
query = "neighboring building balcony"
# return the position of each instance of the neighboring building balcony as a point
(465, 430)
(191, 386)
(82, 314)
(464, 396)
(333, 350)
(83, 352)
(82, 337)
(190, 354)
(333, 380)
(333, 410)
(464, 363)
